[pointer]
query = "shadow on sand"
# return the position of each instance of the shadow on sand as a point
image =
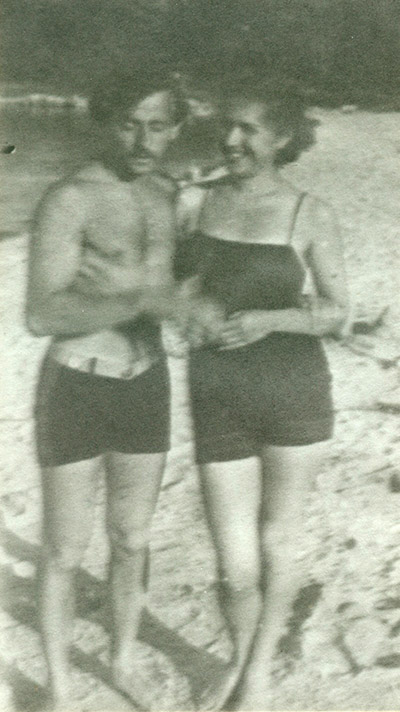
(19, 601)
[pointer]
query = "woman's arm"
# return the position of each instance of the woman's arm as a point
(321, 314)
(329, 307)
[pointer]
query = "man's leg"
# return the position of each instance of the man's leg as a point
(133, 487)
(67, 522)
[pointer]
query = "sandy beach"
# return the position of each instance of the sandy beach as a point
(342, 651)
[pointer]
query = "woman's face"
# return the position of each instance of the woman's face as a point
(249, 142)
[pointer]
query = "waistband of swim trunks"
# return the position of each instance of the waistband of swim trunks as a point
(123, 368)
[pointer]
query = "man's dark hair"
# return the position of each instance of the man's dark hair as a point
(119, 91)
(285, 110)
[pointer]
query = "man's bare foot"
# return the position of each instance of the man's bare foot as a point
(133, 685)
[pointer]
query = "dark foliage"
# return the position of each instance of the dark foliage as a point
(340, 51)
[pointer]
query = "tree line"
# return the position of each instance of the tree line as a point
(342, 51)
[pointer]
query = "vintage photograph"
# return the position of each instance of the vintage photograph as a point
(200, 402)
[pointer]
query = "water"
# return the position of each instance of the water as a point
(52, 142)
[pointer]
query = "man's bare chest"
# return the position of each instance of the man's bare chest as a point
(115, 227)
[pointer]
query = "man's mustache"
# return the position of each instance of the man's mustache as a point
(141, 153)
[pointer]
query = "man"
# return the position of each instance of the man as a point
(100, 279)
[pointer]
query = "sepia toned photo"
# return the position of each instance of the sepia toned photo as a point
(200, 403)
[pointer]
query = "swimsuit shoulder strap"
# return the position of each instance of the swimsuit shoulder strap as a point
(299, 203)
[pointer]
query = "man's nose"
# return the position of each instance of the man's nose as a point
(234, 137)
(142, 136)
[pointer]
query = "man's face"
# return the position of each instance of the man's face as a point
(140, 135)
(250, 143)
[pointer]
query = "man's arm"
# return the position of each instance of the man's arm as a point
(55, 305)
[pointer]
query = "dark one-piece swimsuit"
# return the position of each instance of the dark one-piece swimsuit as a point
(275, 391)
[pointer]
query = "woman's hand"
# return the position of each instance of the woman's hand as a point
(245, 327)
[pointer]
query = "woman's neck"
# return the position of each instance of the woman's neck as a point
(265, 182)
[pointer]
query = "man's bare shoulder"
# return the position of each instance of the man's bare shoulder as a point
(77, 190)
(61, 197)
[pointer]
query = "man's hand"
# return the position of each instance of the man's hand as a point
(198, 319)
(245, 327)
(206, 321)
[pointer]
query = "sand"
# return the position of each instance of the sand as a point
(343, 651)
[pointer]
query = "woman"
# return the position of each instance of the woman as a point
(260, 386)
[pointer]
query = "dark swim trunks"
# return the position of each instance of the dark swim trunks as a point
(80, 415)
(276, 391)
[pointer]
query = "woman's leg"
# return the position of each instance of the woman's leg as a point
(232, 495)
(67, 525)
(133, 488)
(289, 476)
